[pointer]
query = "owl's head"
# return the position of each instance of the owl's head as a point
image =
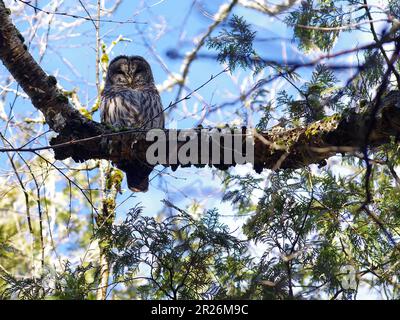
(133, 71)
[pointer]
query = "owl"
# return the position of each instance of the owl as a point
(130, 99)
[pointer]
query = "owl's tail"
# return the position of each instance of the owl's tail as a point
(137, 182)
(137, 175)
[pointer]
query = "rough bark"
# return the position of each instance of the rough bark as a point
(39, 86)
(277, 148)
(83, 139)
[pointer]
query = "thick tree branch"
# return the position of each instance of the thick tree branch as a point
(83, 139)
(40, 87)
(274, 149)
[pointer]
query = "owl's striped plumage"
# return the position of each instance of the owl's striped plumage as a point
(130, 99)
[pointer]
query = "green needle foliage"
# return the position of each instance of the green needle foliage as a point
(235, 45)
(185, 258)
(293, 234)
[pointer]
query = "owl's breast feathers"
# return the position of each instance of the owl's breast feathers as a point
(126, 107)
(138, 108)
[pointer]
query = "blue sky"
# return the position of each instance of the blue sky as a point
(72, 60)
(167, 25)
